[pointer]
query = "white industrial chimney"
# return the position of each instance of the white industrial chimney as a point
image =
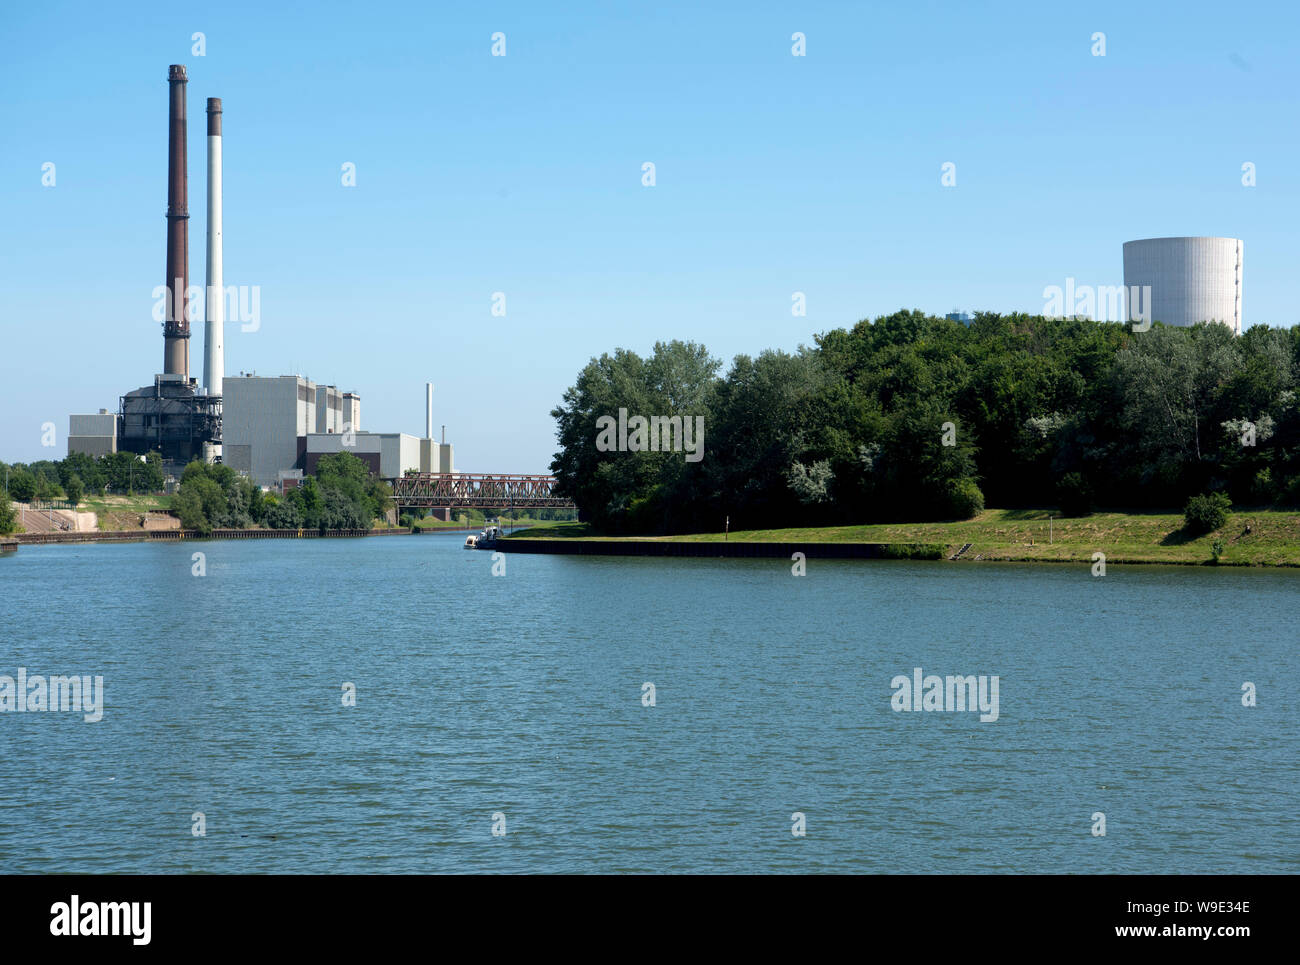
(214, 345)
(428, 410)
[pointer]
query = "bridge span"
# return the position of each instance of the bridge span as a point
(437, 490)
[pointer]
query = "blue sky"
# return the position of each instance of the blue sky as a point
(522, 174)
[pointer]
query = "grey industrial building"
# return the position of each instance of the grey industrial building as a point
(352, 411)
(388, 454)
(262, 420)
(329, 409)
(277, 428)
(95, 435)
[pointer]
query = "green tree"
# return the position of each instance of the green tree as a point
(309, 503)
(380, 495)
(340, 512)
(606, 483)
(1074, 495)
(1206, 513)
(764, 422)
(47, 476)
(1169, 379)
(282, 515)
(22, 485)
(188, 506)
(215, 497)
(87, 468)
(74, 489)
(127, 472)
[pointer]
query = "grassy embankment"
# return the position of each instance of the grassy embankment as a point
(1027, 535)
(114, 513)
(123, 512)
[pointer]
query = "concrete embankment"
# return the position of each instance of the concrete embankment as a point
(54, 520)
(172, 535)
(633, 547)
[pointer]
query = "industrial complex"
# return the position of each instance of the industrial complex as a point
(273, 429)
(276, 429)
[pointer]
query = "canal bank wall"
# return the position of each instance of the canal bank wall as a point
(728, 549)
(175, 535)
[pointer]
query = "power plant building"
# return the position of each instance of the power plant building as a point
(95, 435)
(271, 429)
(171, 416)
(1187, 280)
(277, 428)
(389, 455)
(262, 420)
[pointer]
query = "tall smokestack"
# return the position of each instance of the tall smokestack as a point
(214, 342)
(428, 414)
(176, 329)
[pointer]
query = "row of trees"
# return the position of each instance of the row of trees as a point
(75, 478)
(341, 495)
(80, 475)
(913, 417)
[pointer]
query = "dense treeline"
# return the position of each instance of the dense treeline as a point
(74, 478)
(913, 417)
(340, 495)
(80, 475)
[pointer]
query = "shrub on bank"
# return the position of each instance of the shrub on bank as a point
(1206, 513)
(911, 551)
(963, 499)
(1074, 495)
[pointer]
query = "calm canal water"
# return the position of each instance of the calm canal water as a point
(522, 694)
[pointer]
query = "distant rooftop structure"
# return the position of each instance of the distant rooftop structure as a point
(964, 317)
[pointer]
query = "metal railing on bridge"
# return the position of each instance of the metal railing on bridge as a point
(439, 489)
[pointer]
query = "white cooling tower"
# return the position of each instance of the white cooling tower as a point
(1190, 279)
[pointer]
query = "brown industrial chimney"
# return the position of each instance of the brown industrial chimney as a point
(176, 329)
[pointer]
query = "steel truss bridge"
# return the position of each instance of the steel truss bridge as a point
(432, 490)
